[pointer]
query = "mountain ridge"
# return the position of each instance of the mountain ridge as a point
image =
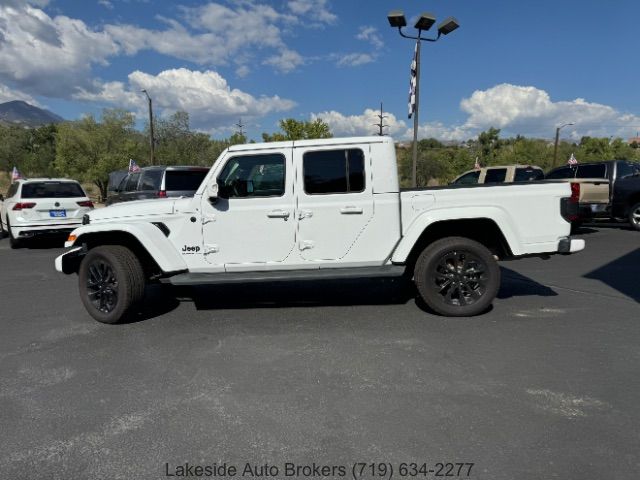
(21, 113)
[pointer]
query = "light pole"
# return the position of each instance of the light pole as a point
(555, 147)
(151, 139)
(397, 20)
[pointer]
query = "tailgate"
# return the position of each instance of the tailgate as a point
(593, 190)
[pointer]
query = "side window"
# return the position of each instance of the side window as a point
(495, 175)
(334, 171)
(132, 182)
(253, 176)
(626, 169)
(528, 174)
(470, 178)
(151, 180)
(562, 172)
(598, 170)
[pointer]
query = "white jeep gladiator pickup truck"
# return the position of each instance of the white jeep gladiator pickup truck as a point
(317, 209)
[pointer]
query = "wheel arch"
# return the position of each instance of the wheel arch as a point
(156, 253)
(483, 230)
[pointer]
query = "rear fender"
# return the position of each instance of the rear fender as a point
(425, 220)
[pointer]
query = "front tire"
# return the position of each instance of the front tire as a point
(634, 216)
(111, 282)
(457, 277)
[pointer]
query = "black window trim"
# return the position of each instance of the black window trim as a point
(284, 191)
(364, 172)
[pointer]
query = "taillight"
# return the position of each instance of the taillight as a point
(162, 194)
(23, 205)
(575, 192)
(86, 203)
(569, 206)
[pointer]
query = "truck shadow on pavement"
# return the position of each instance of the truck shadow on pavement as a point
(289, 294)
(621, 274)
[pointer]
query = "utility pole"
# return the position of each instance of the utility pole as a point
(240, 125)
(152, 140)
(381, 125)
(555, 146)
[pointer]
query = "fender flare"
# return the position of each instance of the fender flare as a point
(150, 237)
(431, 217)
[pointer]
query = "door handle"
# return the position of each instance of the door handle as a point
(278, 214)
(351, 210)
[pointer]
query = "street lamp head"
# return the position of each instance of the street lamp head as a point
(425, 21)
(448, 26)
(396, 19)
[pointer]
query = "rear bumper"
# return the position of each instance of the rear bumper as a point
(29, 231)
(568, 245)
(588, 211)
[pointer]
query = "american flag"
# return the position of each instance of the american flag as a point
(477, 166)
(413, 82)
(133, 166)
(572, 160)
(15, 174)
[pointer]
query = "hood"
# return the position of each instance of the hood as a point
(138, 208)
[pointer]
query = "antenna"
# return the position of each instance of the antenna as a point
(381, 126)
(240, 125)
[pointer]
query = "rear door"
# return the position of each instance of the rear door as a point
(335, 199)
(55, 202)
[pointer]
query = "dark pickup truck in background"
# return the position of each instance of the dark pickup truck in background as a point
(623, 179)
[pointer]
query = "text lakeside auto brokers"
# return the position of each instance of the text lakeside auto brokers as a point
(250, 470)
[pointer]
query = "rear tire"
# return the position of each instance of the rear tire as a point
(457, 277)
(111, 282)
(634, 216)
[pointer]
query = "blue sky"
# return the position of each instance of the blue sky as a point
(524, 67)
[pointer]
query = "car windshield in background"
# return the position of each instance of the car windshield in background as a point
(528, 174)
(51, 190)
(183, 180)
(592, 171)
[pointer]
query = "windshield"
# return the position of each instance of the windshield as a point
(51, 190)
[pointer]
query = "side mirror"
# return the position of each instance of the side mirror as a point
(212, 192)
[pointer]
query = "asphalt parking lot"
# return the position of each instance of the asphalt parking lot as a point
(544, 385)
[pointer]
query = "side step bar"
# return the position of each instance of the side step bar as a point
(284, 275)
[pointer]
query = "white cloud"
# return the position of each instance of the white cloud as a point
(8, 94)
(48, 56)
(353, 59)
(206, 96)
(371, 35)
(529, 111)
(285, 61)
(317, 11)
(356, 125)
(106, 4)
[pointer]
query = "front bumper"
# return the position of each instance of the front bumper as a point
(568, 245)
(69, 261)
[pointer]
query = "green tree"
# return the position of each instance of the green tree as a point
(89, 150)
(293, 129)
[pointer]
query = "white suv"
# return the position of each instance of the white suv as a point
(42, 206)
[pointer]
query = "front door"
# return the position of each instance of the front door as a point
(335, 200)
(251, 224)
